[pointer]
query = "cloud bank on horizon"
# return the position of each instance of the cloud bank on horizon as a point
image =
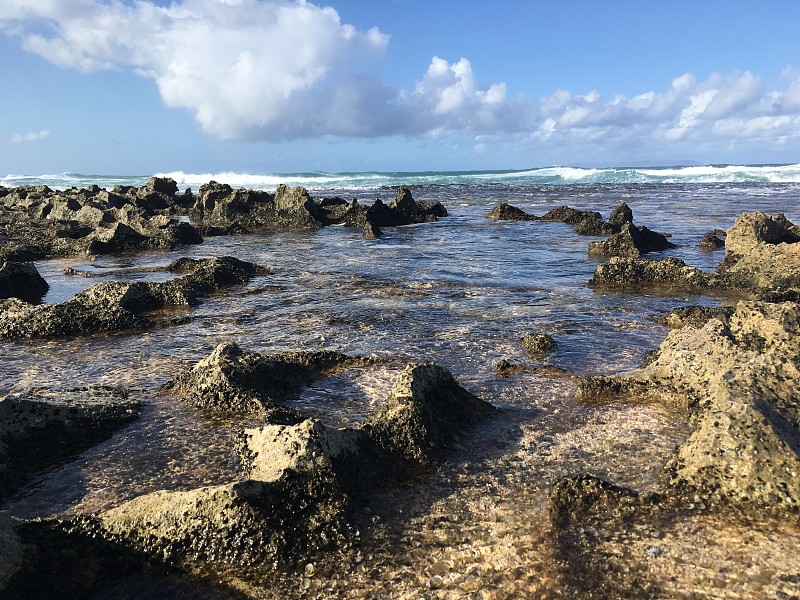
(275, 70)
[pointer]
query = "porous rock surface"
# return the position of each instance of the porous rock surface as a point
(635, 273)
(426, 412)
(22, 280)
(231, 380)
(117, 306)
(632, 241)
(506, 212)
(42, 426)
(738, 383)
(538, 344)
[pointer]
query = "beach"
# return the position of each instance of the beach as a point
(488, 514)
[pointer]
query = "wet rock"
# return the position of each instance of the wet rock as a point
(506, 368)
(762, 256)
(117, 306)
(711, 241)
(635, 273)
(595, 226)
(41, 427)
(571, 216)
(506, 212)
(403, 210)
(538, 345)
(695, 316)
(426, 412)
(621, 214)
(231, 380)
(738, 384)
(630, 242)
(574, 499)
(117, 238)
(11, 551)
(22, 280)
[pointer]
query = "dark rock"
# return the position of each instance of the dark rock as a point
(22, 280)
(506, 212)
(41, 427)
(695, 316)
(636, 273)
(630, 242)
(711, 242)
(372, 231)
(231, 380)
(576, 499)
(593, 225)
(506, 368)
(621, 214)
(571, 216)
(163, 185)
(538, 345)
(117, 238)
(426, 413)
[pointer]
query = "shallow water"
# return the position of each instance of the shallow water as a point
(459, 292)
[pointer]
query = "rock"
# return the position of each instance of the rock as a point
(630, 242)
(22, 280)
(426, 412)
(635, 273)
(577, 498)
(11, 552)
(506, 212)
(593, 225)
(738, 384)
(404, 210)
(116, 238)
(231, 381)
(711, 241)
(116, 306)
(162, 185)
(506, 368)
(538, 345)
(571, 216)
(621, 214)
(695, 316)
(762, 256)
(41, 427)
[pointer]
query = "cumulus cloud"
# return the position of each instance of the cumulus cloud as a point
(286, 69)
(31, 136)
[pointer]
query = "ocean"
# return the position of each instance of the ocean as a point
(459, 292)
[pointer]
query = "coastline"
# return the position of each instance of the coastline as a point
(500, 515)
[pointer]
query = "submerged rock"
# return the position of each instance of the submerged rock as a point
(41, 427)
(711, 241)
(22, 280)
(738, 384)
(571, 216)
(426, 412)
(538, 345)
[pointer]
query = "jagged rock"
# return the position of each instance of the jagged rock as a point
(231, 380)
(571, 216)
(116, 238)
(426, 412)
(630, 242)
(506, 212)
(695, 316)
(593, 225)
(22, 280)
(738, 383)
(40, 427)
(506, 368)
(621, 214)
(162, 185)
(403, 210)
(538, 345)
(116, 306)
(762, 256)
(635, 273)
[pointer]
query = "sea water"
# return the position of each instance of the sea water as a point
(459, 292)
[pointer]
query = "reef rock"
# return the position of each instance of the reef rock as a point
(506, 212)
(571, 216)
(22, 280)
(40, 427)
(636, 273)
(426, 412)
(621, 214)
(630, 242)
(231, 380)
(738, 382)
(762, 256)
(538, 345)
(711, 241)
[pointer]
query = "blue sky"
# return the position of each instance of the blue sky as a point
(261, 86)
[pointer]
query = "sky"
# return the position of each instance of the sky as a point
(135, 87)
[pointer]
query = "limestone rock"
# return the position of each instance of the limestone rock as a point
(571, 216)
(635, 273)
(630, 242)
(538, 345)
(427, 412)
(506, 212)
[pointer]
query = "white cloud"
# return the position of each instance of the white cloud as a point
(283, 69)
(31, 136)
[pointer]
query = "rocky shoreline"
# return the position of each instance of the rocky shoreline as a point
(305, 489)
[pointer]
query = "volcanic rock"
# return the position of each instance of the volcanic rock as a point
(630, 242)
(621, 214)
(22, 280)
